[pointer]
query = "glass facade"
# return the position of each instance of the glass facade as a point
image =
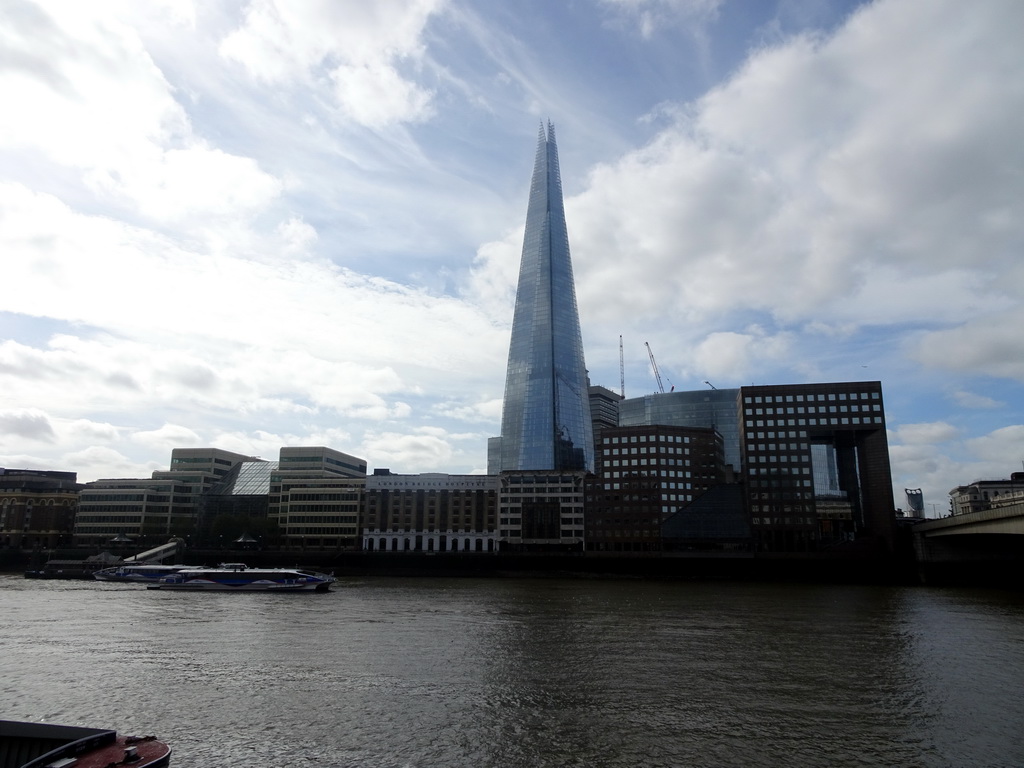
(545, 422)
(718, 408)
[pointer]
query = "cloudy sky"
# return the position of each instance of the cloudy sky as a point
(293, 222)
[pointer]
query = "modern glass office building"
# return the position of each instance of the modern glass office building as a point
(718, 408)
(545, 423)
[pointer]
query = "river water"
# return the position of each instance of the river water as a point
(527, 672)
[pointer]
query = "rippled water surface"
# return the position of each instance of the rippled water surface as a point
(523, 672)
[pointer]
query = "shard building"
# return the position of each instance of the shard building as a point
(545, 423)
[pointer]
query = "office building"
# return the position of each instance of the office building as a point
(316, 496)
(234, 509)
(816, 466)
(541, 511)
(431, 512)
(37, 508)
(716, 409)
(545, 421)
(150, 511)
(649, 473)
(604, 414)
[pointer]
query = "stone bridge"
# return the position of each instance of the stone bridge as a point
(977, 543)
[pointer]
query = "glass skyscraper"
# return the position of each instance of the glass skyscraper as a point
(545, 423)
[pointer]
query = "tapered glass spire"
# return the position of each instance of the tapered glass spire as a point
(545, 422)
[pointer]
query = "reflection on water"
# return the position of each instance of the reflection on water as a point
(427, 672)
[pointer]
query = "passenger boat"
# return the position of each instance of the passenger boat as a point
(237, 577)
(41, 745)
(140, 574)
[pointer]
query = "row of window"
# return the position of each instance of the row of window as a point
(564, 521)
(613, 486)
(92, 519)
(790, 410)
(783, 520)
(646, 438)
(324, 497)
(37, 502)
(810, 398)
(540, 480)
(334, 519)
(320, 508)
(565, 533)
(823, 422)
(672, 450)
(652, 462)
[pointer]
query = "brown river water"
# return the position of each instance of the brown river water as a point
(527, 672)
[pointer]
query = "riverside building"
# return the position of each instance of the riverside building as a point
(429, 512)
(150, 511)
(711, 408)
(981, 495)
(37, 508)
(315, 498)
(816, 466)
(649, 473)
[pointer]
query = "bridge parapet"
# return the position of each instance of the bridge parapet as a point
(974, 540)
(1002, 520)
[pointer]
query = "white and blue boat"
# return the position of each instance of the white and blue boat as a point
(237, 577)
(140, 574)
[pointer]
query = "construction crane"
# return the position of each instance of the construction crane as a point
(622, 371)
(654, 365)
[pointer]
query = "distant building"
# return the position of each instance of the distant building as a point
(987, 494)
(140, 509)
(915, 502)
(604, 414)
(37, 508)
(816, 466)
(310, 497)
(714, 521)
(649, 473)
(541, 511)
(710, 408)
(545, 423)
(236, 506)
(431, 512)
(316, 496)
(150, 511)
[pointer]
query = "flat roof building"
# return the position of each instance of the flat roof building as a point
(710, 408)
(816, 466)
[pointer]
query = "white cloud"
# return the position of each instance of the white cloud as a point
(357, 45)
(422, 451)
(974, 400)
(871, 177)
(97, 462)
(376, 95)
(734, 356)
(487, 411)
(991, 343)
(166, 437)
(925, 434)
(93, 100)
(1004, 446)
(27, 424)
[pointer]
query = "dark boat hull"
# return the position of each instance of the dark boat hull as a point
(35, 745)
